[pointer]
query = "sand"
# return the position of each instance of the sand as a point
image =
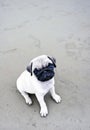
(53, 27)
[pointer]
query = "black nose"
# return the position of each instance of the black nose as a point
(45, 71)
(45, 74)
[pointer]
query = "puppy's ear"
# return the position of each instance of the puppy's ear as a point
(53, 60)
(29, 68)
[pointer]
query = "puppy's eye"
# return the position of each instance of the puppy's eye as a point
(50, 65)
(35, 70)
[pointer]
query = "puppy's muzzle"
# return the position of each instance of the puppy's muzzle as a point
(46, 73)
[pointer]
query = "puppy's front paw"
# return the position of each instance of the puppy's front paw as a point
(43, 112)
(57, 98)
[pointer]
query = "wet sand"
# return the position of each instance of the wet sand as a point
(58, 28)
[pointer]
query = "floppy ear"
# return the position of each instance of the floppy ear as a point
(29, 68)
(53, 60)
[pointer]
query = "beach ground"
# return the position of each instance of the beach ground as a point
(53, 27)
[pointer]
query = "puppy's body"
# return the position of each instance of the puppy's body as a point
(30, 82)
(31, 85)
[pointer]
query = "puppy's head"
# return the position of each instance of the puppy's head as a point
(42, 67)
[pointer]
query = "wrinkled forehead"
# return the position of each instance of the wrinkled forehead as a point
(41, 61)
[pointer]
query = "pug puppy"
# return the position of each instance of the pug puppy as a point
(38, 79)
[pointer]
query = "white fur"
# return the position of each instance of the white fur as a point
(29, 84)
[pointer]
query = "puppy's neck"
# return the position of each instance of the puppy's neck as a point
(51, 81)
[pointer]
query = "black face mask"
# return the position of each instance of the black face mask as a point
(46, 73)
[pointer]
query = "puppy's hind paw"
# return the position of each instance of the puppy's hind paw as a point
(28, 101)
